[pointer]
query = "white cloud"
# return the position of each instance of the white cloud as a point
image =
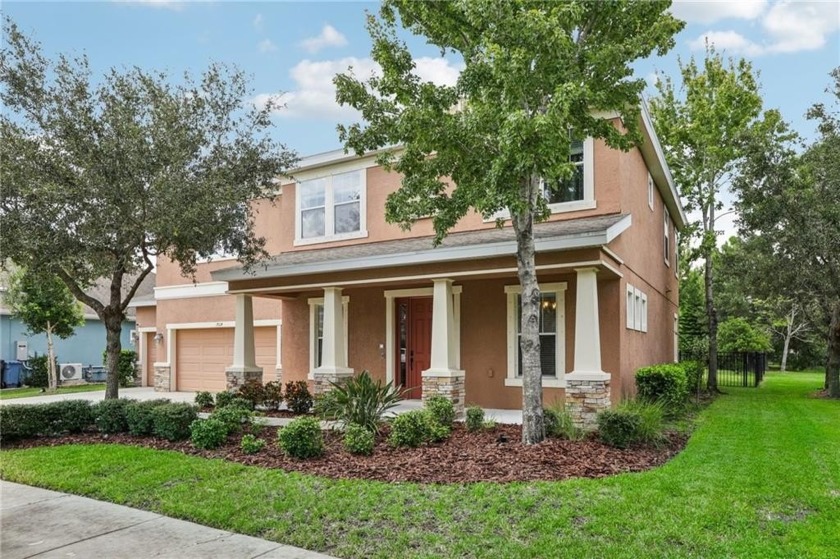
(259, 22)
(314, 93)
(266, 46)
(329, 37)
(165, 4)
(730, 41)
(709, 11)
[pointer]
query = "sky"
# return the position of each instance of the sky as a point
(293, 49)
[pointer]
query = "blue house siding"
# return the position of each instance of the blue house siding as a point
(85, 346)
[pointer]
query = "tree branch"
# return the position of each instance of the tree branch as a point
(78, 293)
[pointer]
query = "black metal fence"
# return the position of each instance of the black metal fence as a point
(736, 369)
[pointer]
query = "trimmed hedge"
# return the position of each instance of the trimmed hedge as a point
(208, 434)
(475, 418)
(109, 416)
(139, 417)
(665, 383)
(442, 409)
(302, 438)
(56, 418)
(417, 427)
(204, 399)
(358, 439)
(619, 427)
(694, 371)
(172, 421)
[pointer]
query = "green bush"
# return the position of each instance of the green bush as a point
(139, 417)
(233, 417)
(435, 431)
(251, 444)
(442, 409)
(650, 429)
(619, 428)
(273, 395)
(253, 392)
(736, 334)
(358, 439)
(70, 416)
(56, 418)
(208, 434)
(298, 397)
(20, 422)
(410, 429)
(126, 366)
(694, 371)
(109, 415)
(204, 399)
(172, 421)
(559, 425)
(665, 383)
(242, 403)
(38, 375)
(224, 399)
(302, 438)
(359, 400)
(475, 418)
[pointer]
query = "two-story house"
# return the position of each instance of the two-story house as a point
(345, 291)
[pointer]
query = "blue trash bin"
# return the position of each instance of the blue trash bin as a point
(11, 375)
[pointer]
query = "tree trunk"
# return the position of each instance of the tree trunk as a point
(52, 373)
(711, 312)
(833, 368)
(533, 426)
(113, 332)
(786, 348)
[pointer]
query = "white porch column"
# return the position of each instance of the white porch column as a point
(244, 367)
(587, 386)
(443, 378)
(333, 355)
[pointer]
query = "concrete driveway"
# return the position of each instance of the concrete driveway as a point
(40, 523)
(136, 393)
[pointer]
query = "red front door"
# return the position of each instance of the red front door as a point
(414, 343)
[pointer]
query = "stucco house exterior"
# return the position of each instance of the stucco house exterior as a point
(344, 291)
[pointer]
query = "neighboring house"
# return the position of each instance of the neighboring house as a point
(85, 346)
(345, 291)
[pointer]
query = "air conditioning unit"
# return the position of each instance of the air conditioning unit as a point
(70, 371)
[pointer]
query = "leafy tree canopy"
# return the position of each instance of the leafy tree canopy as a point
(42, 302)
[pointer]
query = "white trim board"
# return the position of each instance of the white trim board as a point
(191, 290)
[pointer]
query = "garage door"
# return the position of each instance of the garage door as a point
(203, 355)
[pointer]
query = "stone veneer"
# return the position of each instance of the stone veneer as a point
(163, 377)
(323, 382)
(236, 377)
(450, 387)
(585, 398)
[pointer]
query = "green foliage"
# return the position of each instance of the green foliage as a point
(359, 400)
(736, 334)
(139, 416)
(665, 383)
(224, 399)
(38, 374)
(619, 428)
(250, 444)
(298, 397)
(559, 425)
(204, 399)
(208, 434)
(441, 409)
(435, 431)
(233, 417)
(172, 421)
(272, 395)
(650, 427)
(694, 371)
(302, 438)
(253, 391)
(410, 429)
(56, 418)
(359, 439)
(475, 418)
(110, 415)
(126, 366)
(693, 325)
(41, 300)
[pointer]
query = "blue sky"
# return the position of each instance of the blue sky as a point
(296, 47)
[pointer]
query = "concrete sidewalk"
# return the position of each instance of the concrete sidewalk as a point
(40, 523)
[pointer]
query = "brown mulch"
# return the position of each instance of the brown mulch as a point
(495, 455)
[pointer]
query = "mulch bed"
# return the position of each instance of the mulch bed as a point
(494, 455)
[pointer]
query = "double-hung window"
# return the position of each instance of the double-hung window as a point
(570, 189)
(636, 309)
(331, 208)
(552, 324)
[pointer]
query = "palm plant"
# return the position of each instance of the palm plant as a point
(360, 400)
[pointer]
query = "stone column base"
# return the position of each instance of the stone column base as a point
(237, 376)
(449, 384)
(163, 378)
(586, 395)
(323, 379)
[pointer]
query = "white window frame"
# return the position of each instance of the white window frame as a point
(314, 303)
(637, 309)
(650, 191)
(667, 244)
(637, 315)
(631, 307)
(329, 209)
(644, 313)
(512, 378)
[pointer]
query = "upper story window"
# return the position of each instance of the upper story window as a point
(570, 189)
(651, 187)
(667, 245)
(331, 208)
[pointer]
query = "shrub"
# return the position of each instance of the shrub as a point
(139, 417)
(126, 366)
(172, 421)
(208, 434)
(694, 371)
(302, 438)
(109, 415)
(358, 400)
(242, 403)
(442, 409)
(475, 418)
(204, 399)
(435, 431)
(489, 424)
(358, 439)
(38, 375)
(619, 428)
(224, 399)
(252, 391)
(251, 444)
(559, 425)
(70, 416)
(737, 334)
(409, 429)
(56, 418)
(650, 420)
(233, 417)
(273, 395)
(665, 383)
(298, 397)
(20, 422)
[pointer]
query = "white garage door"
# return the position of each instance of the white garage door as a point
(203, 355)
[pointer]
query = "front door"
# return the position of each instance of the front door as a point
(414, 343)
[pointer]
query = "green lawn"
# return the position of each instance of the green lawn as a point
(759, 478)
(10, 393)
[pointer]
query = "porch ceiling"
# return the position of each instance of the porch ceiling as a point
(472, 245)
